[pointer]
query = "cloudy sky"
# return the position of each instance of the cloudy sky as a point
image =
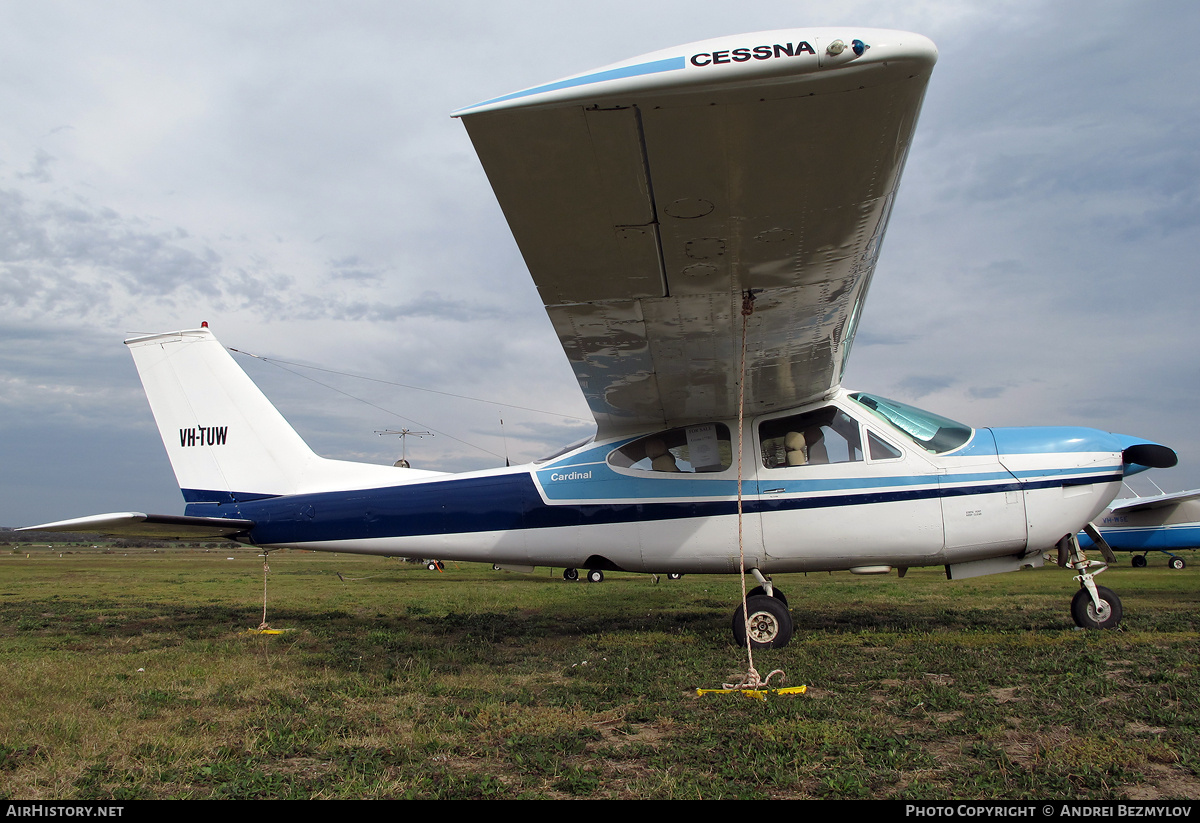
(289, 172)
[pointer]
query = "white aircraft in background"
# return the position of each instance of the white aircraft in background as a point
(654, 202)
(1144, 524)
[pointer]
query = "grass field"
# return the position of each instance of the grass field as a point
(134, 676)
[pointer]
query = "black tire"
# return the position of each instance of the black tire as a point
(595, 576)
(431, 565)
(674, 576)
(1083, 611)
(770, 623)
(759, 591)
(571, 574)
(1176, 563)
(1139, 561)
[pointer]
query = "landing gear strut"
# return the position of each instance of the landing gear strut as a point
(1092, 607)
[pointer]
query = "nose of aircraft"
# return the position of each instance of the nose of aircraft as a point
(1137, 454)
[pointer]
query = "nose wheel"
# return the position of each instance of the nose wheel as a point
(1092, 607)
(1088, 615)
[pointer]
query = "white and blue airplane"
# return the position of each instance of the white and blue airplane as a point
(1158, 522)
(676, 210)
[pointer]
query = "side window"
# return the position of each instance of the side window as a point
(819, 437)
(702, 448)
(879, 449)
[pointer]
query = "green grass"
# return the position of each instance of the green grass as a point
(133, 675)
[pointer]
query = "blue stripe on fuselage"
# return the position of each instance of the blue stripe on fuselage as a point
(511, 501)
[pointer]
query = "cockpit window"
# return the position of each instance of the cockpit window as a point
(702, 448)
(930, 431)
(827, 435)
(881, 450)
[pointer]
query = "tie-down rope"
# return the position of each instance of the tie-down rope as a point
(751, 679)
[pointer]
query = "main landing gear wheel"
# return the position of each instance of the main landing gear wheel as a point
(770, 623)
(571, 574)
(674, 576)
(595, 576)
(1085, 614)
(1176, 563)
(1139, 561)
(434, 565)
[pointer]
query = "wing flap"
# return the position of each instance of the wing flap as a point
(582, 213)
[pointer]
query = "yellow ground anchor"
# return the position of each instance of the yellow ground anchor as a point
(751, 685)
(264, 627)
(757, 694)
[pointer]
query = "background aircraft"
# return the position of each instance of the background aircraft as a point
(1144, 524)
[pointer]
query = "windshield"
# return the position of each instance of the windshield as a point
(930, 431)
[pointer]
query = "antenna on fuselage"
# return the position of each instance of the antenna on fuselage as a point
(504, 440)
(403, 434)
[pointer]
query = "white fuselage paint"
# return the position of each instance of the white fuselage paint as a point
(913, 509)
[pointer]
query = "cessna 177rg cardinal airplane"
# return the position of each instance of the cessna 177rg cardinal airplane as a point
(676, 210)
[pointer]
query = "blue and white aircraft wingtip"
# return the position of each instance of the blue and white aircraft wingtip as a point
(752, 58)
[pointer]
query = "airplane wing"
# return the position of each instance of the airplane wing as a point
(646, 197)
(1157, 501)
(152, 526)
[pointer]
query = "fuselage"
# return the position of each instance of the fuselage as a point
(833, 485)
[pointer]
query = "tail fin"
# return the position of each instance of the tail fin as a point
(220, 431)
(225, 439)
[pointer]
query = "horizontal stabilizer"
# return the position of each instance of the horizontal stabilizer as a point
(154, 526)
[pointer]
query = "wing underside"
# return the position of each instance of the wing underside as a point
(646, 207)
